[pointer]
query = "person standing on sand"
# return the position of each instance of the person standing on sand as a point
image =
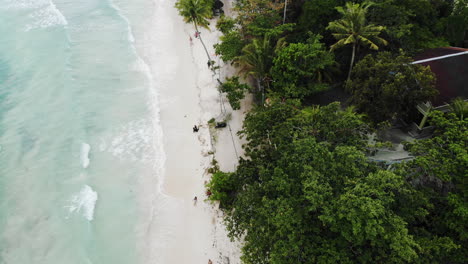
(209, 261)
(195, 200)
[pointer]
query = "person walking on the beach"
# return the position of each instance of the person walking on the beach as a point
(195, 200)
(195, 129)
(209, 261)
(191, 42)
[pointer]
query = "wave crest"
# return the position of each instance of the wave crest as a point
(84, 202)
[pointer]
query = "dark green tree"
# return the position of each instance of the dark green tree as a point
(439, 173)
(353, 29)
(386, 87)
(235, 91)
(256, 61)
(231, 46)
(316, 14)
(256, 16)
(300, 69)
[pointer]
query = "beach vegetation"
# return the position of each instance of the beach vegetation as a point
(257, 59)
(386, 86)
(231, 46)
(459, 107)
(225, 24)
(235, 91)
(197, 12)
(308, 194)
(300, 69)
(305, 189)
(352, 28)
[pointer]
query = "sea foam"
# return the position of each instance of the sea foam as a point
(84, 202)
(46, 16)
(43, 13)
(85, 155)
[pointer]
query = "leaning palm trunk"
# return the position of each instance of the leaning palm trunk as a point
(261, 89)
(352, 61)
(284, 14)
(201, 40)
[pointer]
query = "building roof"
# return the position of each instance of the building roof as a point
(450, 65)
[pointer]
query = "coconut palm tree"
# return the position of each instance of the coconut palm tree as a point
(197, 12)
(284, 12)
(353, 29)
(257, 59)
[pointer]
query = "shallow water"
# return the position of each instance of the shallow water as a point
(79, 131)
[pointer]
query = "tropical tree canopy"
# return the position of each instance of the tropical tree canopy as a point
(257, 59)
(299, 69)
(353, 29)
(386, 87)
(305, 190)
(195, 11)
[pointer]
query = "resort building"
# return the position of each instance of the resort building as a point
(450, 66)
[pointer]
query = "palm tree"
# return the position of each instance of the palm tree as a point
(459, 107)
(353, 29)
(284, 13)
(196, 12)
(257, 59)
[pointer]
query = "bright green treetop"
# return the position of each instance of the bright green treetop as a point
(353, 29)
(299, 69)
(195, 11)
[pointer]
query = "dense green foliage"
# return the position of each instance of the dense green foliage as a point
(305, 190)
(235, 91)
(352, 28)
(386, 87)
(299, 68)
(231, 46)
(306, 193)
(439, 173)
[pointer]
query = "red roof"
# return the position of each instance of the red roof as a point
(450, 65)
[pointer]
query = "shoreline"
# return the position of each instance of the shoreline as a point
(179, 230)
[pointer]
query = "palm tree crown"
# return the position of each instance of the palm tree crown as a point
(257, 59)
(353, 29)
(195, 11)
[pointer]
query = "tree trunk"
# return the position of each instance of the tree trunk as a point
(199, 36)
(352, 61)
(261, 89)
(284, 14)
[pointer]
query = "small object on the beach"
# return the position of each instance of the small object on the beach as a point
(195, 129)
(220, 124)
(195, 200)
(209, 63)
(209, 261)
(208, 193)
(197, 34)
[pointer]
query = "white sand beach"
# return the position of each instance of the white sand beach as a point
(188, 95)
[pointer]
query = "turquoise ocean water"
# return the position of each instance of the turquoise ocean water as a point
(78, 131)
